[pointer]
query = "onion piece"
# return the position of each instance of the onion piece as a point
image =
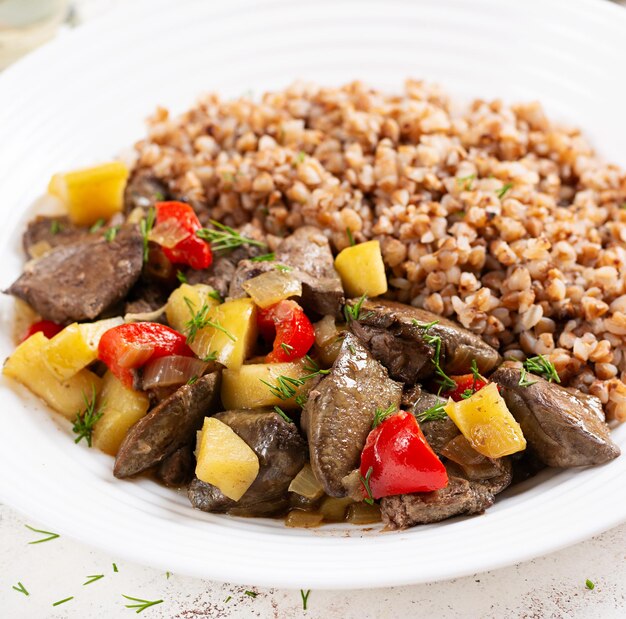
(172, 370)
(304, 520)
(271, 287)
(474, 465)
(168, 233)
(305, 484)
(146, 316)
(362, 513)
(334, 509)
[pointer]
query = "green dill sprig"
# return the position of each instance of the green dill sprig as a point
(93, 578)
(425, 325)
(251, 594)
(285, 387)
(312, 367)
(141, 604)
(305, 597)
(214, 294)
(540, 366)
(225, 238)
(523, 379)
(115, 567)
(589, 584)
(159, 196)
(350, 237)
(264, 258)
(145, 227)
(50, 535)
(97, 226)
(63, 601)
(433, 413)
(366, 484)
(381, 415)
(445, 382)
(283, 414)
(200, 319)
(20, 588)
(353, 312)
(283, 268)
(504, 190)
(466, 181)
(55, 227)
(111, 233)
(286, 347)
(228, 599)
(193, 380)
(181, 277)
(468, 393)
(85, 423)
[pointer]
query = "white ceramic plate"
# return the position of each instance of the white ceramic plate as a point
(83, 99)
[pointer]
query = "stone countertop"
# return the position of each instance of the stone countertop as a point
(551, 586)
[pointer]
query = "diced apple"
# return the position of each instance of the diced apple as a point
(225, 460)
(362, 270)
(67, 397)
(121, 408)
(92, 193)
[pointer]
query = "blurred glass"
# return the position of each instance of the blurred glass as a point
(26, 24)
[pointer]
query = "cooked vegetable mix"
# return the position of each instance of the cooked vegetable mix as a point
(266, 373)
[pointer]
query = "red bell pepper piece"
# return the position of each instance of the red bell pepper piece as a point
(129, 346)
(290, 328)
(466, 385)
(397, 459)
(191, 250)
(47, 327)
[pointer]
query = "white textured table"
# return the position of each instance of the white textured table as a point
(553, 586)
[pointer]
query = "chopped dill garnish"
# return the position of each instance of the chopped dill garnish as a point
(589, 584)
(264, 258)
(353, 312)
(193, 380)
(85, 422)
(285, 387)
(445, 381)
(305, 597)
(212, 356)
(115, 567)
(224, 238)
(281, 412)
(466, 181)
(381, 414)
(366, 484)
(63, 601)
(96, 226)
(251, 594)
(523, 379)
(228, 599)
(286, 347)
(504, 190)
(200, 319)
(141, 604)
(21, 588)
(111, 233)
(145, 227)
(55, 227)
(540, 366)
(283, 268)
(350, 237)
(93, 578)
(214, 294)
(50, 535)
(433, 413)
(181, 277)
(425, 325)
(158, 196)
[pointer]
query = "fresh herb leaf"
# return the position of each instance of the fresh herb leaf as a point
(301, 400)
(433, 413)
(168, 574)
(214, 294)
(313, 369)
(93, 578)
(350, 237)
(286, 347)
(181, 277)
(468, 393)
(193, 380)
(251, 594)
(63, 601)
(283, 268)
(224, 238)
(353, 312)
(523, 380)
(351, 349)
(381, 414)
(366, 484)
(111, 233)
(115, 567)
(466, 181)
(264, 258)
(21, 588)
(96, 226)
(540, 366)
(228, 599)
(305, 597)
(158, 196)
(282, 413)
(50, 535)
(445, 381)
(590, 585)
(425, 325)
(55, 227)
(85, 423)
(284, 388)
(504, 190)
(212, 356)
(200, 319)
(141, 604)
(145, 227)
